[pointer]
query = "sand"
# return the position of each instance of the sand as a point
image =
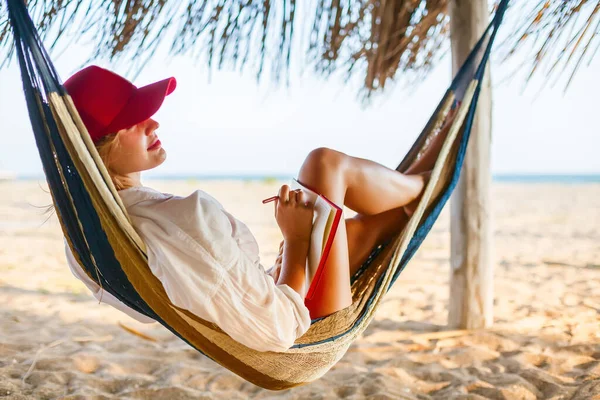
(56, 341)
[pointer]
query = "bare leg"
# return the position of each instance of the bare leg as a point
(366, 187)
(383, 199)
(372, 188)
(365, 232)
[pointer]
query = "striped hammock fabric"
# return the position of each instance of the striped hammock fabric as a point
(96, 226)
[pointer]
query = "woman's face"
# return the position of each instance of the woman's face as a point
(139, 149)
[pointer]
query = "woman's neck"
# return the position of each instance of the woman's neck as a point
(133, 179)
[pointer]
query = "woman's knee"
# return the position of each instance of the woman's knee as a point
(324, 159)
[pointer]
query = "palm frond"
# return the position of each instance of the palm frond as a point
(373, 38)
(560, 35)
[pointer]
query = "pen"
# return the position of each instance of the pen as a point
(270, 199)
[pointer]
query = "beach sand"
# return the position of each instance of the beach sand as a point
(56, 341)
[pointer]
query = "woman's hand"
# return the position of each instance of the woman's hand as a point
(294, 215)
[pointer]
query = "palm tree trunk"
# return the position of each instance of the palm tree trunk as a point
(471, 282)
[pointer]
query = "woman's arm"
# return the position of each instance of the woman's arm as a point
(294, 264)
(294, 216)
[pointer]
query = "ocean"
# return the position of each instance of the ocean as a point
(538, 178)
(509, 178)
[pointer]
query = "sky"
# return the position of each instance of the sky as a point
(232, 125)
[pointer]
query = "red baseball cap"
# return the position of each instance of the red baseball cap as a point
(107, 102)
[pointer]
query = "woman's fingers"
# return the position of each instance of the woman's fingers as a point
(293, 195)
(284, 193)
(298, 194)
(284, 198)
(301, 198)
(287, 196)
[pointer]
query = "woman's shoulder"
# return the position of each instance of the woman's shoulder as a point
(196, 214)
(144, 196)
(137, 194)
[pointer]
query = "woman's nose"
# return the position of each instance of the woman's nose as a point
(152, 126)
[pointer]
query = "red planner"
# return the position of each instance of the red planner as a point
(326, 219)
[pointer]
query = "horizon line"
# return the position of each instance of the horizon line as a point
(283, 176)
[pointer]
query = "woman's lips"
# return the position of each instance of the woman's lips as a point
(154, 145)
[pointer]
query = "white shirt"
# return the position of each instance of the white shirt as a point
(208, 262)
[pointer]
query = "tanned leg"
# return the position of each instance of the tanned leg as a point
(384, 200)
(368, 188)
(365, 232)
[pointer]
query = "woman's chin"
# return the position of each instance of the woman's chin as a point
(161, 156)
(156, 158)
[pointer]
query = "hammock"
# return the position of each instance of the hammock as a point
(98, 231)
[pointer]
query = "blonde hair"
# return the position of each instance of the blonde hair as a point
(105, 147)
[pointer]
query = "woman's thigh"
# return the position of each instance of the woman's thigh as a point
(323, 170)
(365, 232)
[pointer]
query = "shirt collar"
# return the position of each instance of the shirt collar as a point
(133, 195)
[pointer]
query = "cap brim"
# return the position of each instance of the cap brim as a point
(143, 104)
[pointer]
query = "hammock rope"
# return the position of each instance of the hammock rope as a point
(103, 241)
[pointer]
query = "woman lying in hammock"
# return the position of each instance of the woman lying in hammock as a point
(206, 259)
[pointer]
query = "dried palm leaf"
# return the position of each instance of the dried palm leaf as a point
(561, 34)
(373, 38)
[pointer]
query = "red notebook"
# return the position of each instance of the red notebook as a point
(326, 219)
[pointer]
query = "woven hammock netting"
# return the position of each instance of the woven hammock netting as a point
(100, 235)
